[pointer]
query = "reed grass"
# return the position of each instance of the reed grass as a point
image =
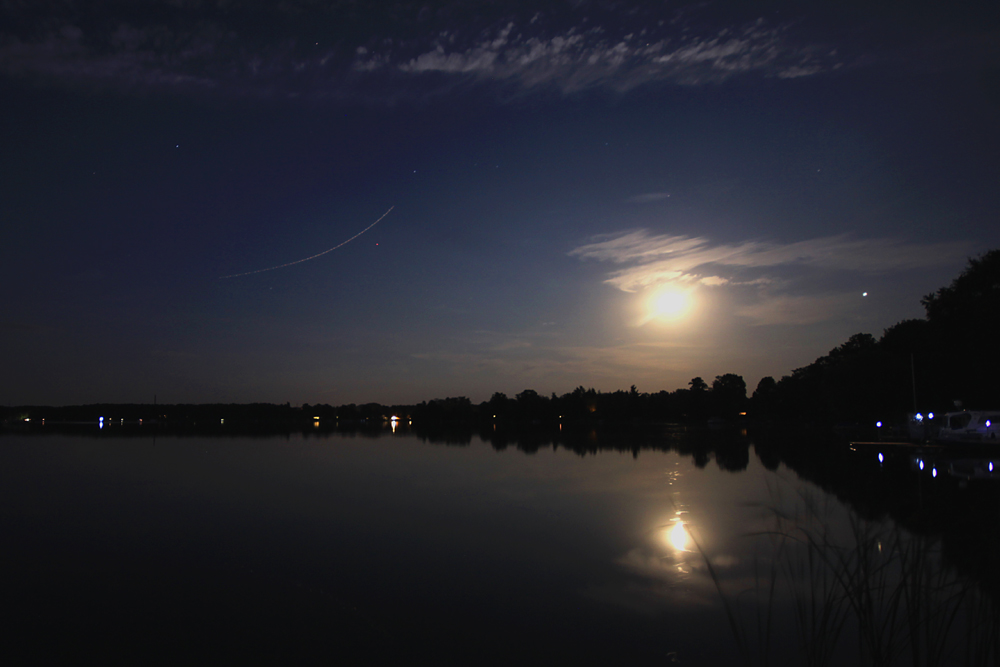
(888, 588)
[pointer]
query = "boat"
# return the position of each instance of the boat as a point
(969, 426)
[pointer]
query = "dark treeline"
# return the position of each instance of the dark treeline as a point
(924, 364)
(916, 365)
(725, 398)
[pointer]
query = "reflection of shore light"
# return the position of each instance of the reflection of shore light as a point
(678, 536)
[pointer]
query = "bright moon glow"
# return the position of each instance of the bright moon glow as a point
(669, 304)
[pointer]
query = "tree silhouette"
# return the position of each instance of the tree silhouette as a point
(729, 395)
(964, 320)
(762, 403)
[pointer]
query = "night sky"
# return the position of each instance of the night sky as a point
(583, 193)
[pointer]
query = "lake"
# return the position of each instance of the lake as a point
(665, 547)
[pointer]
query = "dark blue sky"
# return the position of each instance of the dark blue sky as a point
(552, 172)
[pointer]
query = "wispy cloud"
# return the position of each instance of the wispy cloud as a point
(265, 49)
(551, 360)
(658, 258)
(785, 309)
(651, 260)
(648, 197)
(341, 49)
(588, 56)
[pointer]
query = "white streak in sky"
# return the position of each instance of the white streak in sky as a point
(299, 261)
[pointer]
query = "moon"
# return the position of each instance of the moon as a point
(669, 304)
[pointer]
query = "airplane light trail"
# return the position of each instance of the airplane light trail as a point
(299, 261)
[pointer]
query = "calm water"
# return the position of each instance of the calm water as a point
(298, 550)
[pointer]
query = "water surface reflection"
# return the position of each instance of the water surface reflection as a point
(691, 547)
